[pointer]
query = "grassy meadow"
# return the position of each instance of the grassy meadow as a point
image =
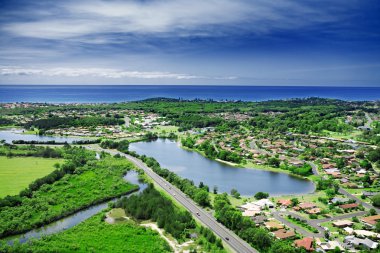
(18, 172)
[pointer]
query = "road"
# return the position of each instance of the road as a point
(314, 223)
(207, 219)
(314, 167)
(369, 121)
(360, 201)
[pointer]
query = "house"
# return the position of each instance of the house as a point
(349, 206)
(284, 202)
(365, 233)
(313, 210)
(306, 243)
(342, 223)
(306, 205)
(250, 207)
(370, 194)
(284, 234)
(339, 200)
(260, 219)
(251, 213)
(330, 245)
(357, 242)
(371, 220)
(348, 230)
(271, 225)
(263, 203)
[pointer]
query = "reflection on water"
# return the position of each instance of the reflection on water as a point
(191, 165)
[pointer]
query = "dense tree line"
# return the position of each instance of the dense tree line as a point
(122, 145)
(151, 205)
(10, 150)
(5, 122)
(213, 151)
(55, 122)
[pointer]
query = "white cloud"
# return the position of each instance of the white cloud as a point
(99, 72)
(168, 18)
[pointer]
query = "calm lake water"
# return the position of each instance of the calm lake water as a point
(16, 134)
(193, 166)
(76, 218)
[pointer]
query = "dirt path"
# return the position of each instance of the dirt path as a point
(172, 242)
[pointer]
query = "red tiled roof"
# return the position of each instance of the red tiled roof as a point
(306, 242)
(348, 206)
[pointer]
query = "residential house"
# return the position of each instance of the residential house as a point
(284, 234)
(284, 202)
(330, 245)
(371, 220)
(306, 243)
(342, 223)
(357, 242)
(349, 206)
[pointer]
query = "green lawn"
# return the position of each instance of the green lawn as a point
(18, 172)
(165, 129)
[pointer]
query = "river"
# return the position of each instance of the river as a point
(193, 166)
(76, 218)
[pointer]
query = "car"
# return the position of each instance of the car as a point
(173, 194)
(227, 238)
(198, 214)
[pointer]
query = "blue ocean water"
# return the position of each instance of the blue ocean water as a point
(118, 93)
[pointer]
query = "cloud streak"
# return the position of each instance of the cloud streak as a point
(99, 72)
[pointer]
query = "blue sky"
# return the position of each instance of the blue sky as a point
(236, 42)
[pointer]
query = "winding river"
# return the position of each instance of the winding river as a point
(74, 219)
(192, 165)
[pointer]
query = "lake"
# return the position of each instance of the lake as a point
(193, 166)
(10, 135)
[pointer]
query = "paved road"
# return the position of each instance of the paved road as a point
(314, 167)
(207, 219)
(360, 201)
(301, 230)
(314, 223)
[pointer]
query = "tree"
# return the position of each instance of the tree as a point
(376, 200)
(372, 211)
(377, 227)
(235, 193)
(261, 239)
(295, 201)
(202, 197)
(215, 189)
(261, 195)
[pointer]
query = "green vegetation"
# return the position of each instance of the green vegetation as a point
(80, 182)
(302, 223)
(55, 122)
(17, 173)
(376, 200)
(261, 195)
(152, 205)
(95, 235)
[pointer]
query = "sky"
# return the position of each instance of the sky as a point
(198, 42)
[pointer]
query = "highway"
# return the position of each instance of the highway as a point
(229, 237)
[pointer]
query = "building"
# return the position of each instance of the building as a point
(330, 245)
(342, 223)
(307, 205)
(371, 220)
(357, 242)
(306, 243)
(284, 234)
(284, 202)
(349, 206)
(263, 203)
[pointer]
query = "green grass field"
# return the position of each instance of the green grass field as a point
(18, 172)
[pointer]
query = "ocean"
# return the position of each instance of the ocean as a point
(120, 93)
